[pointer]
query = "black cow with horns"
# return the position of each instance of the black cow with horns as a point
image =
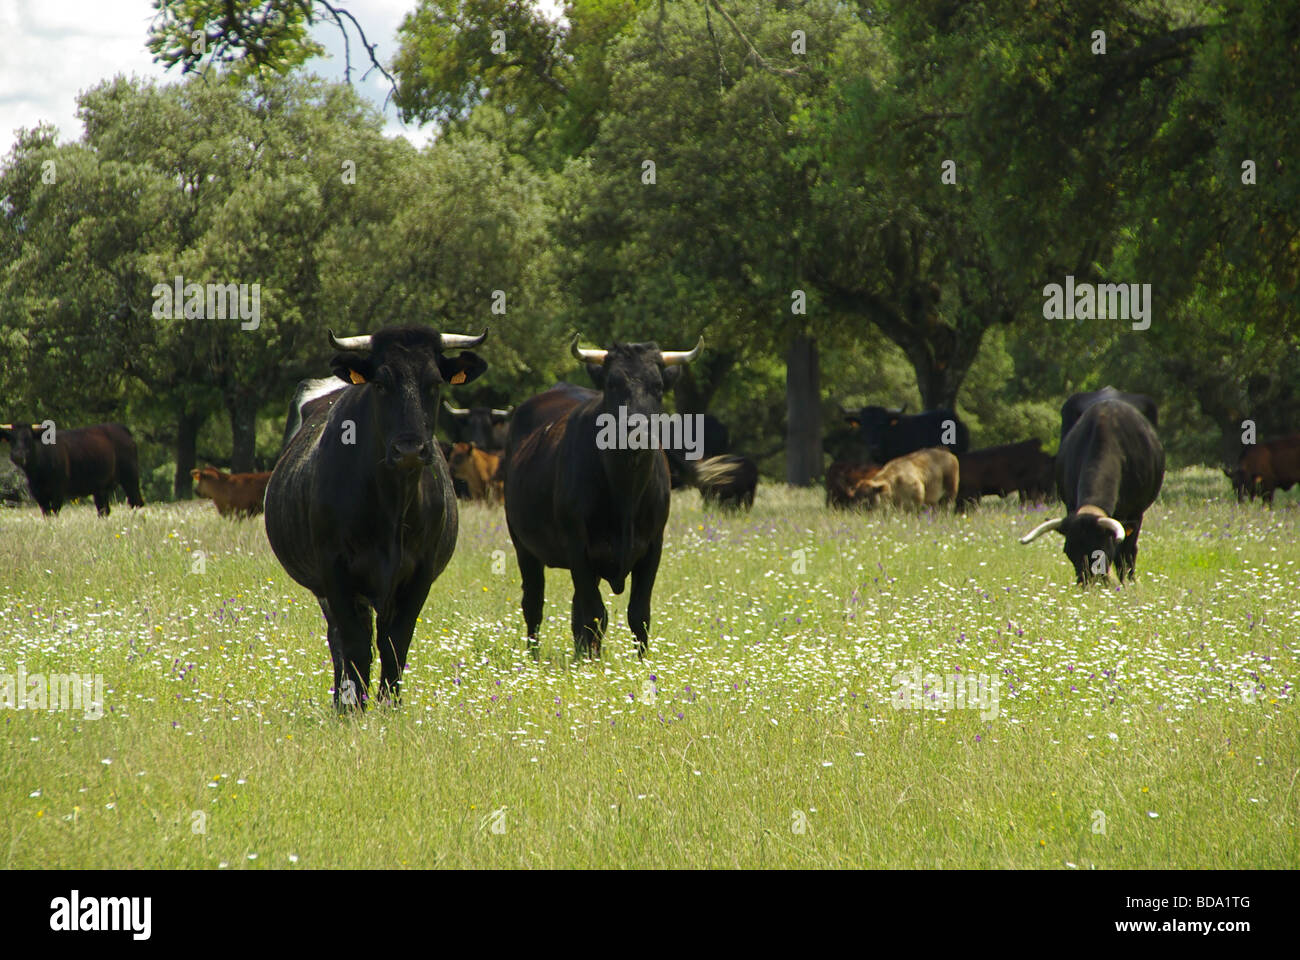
(360, 509)
(593, 509)
(1108, 471)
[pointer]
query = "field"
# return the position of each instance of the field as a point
(1148, 726)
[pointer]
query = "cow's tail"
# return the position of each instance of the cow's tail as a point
(710, 472)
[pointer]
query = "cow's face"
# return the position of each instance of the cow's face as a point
(460, 456)
(633, 376)
(875, 423)
(403, 370)
(22, 439)
(1090, 544)
(204, 480)
(872, 493)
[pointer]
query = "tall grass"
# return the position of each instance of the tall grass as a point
(1152, 725)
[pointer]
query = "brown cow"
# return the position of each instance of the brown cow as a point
(235, 494)
(997, 471)
(844, 482)
(480, 470)
(922, 478)
(1263, 467)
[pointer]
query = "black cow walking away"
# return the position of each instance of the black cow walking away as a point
(728, 480)
(79, 462)
(359, 509)
(598, 513)
(1073, 408)
(889, 434)
(1108, 471)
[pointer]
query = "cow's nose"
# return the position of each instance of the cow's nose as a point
(410, 453)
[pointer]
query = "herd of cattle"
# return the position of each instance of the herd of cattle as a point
(361, 506)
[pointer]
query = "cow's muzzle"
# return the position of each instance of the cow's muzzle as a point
(408, 454)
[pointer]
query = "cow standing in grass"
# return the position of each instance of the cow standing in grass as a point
(598, 513)
(78, 462)
(1108, 471)
(233, 494)
(919, 479)
(1265, 467)
(360, 509)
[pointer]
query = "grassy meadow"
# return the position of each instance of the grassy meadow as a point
(1152, 725)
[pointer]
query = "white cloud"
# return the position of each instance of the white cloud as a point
(54, 49)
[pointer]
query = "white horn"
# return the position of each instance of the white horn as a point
(502, 413)
(454, 411)
(586, 356)
(460, 341)
(1041, 529)
(673, 357)
(359, 344)
(1113, 525)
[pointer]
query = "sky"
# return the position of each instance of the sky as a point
(53, 49)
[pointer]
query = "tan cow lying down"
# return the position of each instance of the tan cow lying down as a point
(479, 469)
(914, 480)
(235, 494)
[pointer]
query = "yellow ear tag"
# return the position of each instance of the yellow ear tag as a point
(853, 424)
(894, 422)
(356, 377)
(458, 377)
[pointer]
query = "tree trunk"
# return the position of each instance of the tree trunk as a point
(941, 362)
(803, 404)
(242, 407)
(187, 438)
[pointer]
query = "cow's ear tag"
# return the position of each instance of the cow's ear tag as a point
(894, 422)
(853, 424)
(458, 377)
(1259, 479)
(356, 377)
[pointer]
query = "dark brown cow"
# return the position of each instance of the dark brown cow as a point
(235, 494)
(64, 463)
(1264, 467)
(844, 483)
(479, 469)
(997, 471)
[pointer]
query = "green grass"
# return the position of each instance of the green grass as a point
(1163, 712)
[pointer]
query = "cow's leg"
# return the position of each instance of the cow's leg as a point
(533, 576)
(589, 616)
(638, 601)
(130, 480)
(394, 634)
(350, 648)
(102, 498)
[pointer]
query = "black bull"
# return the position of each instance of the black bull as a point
(78, 462)
(1108, 472)
(359, 509)
(599, 513)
